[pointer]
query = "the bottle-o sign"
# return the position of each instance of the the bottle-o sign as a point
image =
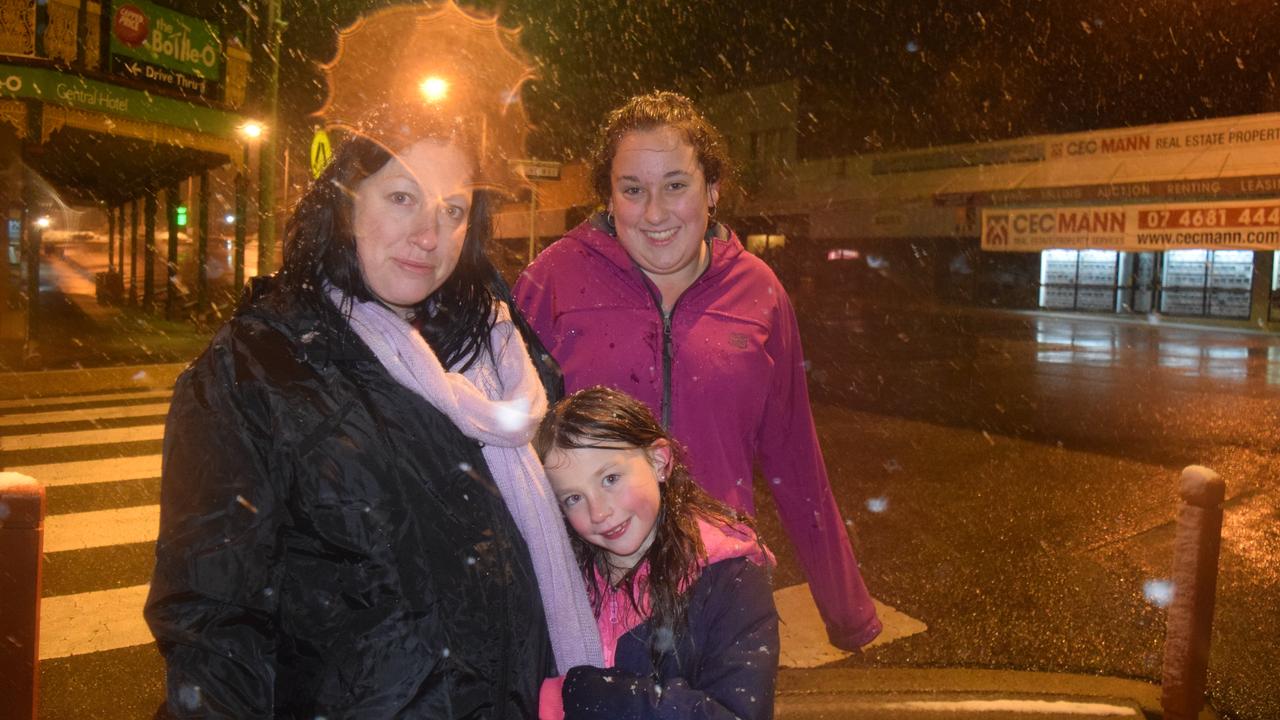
(131, 25)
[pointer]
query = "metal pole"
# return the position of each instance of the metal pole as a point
(171, 263)
(21, 548)
(267, 151)
(133, 251)
(1195, 580)
(242, 209)
(533, 220)
(111, 239)
(148, 250)
(284, 187)
(202, 245)
(32, 235)
(120, 224)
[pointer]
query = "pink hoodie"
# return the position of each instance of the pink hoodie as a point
(727, 369)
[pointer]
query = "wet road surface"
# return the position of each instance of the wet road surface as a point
(1011, 480)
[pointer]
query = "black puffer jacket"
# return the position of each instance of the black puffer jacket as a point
(330, 544)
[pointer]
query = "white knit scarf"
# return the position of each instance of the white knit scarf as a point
(499, 403)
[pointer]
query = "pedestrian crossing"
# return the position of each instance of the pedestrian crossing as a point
(83, 472)
(82, 414)
(98, 442)
(98, 455)
(74, 438)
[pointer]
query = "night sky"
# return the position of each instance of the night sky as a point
(878, 75)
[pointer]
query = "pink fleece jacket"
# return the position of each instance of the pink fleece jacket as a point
(727, 369)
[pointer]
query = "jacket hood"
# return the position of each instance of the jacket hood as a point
(733, 541)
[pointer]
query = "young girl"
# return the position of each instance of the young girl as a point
(679, 582)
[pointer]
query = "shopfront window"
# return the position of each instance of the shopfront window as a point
(1081, 279)
(1207, 283)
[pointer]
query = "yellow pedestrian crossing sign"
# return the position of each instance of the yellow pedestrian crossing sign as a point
(321, 151)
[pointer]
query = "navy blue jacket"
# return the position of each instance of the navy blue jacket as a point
(724, 666)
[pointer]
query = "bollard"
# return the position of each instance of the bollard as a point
(21, 546)
(1195, 580)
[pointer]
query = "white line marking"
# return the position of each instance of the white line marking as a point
(93, 622)
(101, 413)
(804, 636)
(1055, 708)
(101, 528)
(112, 619)
(83, 472)
(107, 436)
(78, 399)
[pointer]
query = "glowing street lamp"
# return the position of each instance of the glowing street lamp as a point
(43, 222)
(251, 130)
(434, 88)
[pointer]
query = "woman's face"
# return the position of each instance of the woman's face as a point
(660, 201)
(410, 222)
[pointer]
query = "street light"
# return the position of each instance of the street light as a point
(250, 131)
(43, 222)
(434, 88)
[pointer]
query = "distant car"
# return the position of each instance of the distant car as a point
(84, 235)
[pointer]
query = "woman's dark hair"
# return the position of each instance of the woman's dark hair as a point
(649, 112)
(320, 247)
(601, 417)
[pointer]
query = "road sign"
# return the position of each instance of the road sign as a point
(537, 169)
(321, 151)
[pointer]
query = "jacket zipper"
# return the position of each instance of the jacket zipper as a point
(667, 360)
(668, 354)
(668, 351)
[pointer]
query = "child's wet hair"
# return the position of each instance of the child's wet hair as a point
(600, 417)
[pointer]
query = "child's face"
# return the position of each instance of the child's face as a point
(610, 496)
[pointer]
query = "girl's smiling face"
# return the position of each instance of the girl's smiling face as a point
(610, 496)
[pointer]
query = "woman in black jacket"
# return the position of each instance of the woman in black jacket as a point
(345, 526)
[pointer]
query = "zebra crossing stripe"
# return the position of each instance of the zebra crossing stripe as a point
(101, 528)
(106, 436)
(60, 400)
(93, 622)
(803, 637)
(84, 472)
(81, 414)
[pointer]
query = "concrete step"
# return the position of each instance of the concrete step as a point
(971, 694)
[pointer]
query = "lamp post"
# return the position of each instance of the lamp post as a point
(267, 153)
(249, 132)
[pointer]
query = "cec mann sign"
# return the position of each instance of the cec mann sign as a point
(1253, 225)
(154, 44)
